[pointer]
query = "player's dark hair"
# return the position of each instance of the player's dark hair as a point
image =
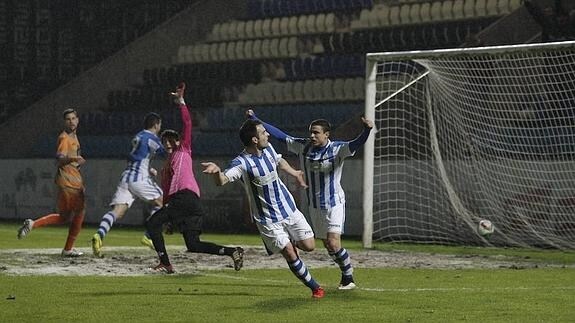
(249, 130)
(151, 119)
(324, 124)
(68, 111)
(170, 134)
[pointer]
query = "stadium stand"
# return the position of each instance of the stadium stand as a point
(287, 58)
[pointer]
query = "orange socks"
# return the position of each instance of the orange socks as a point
(49, 219)
(75, 228)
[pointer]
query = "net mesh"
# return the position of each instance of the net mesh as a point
(465, 136)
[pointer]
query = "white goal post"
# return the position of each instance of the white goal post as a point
(468, 134)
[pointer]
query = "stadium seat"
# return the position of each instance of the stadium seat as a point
(302, 25)
(362, 22)
(317, 46)
(298, 94)
(359, 88)
(249, 29)
(514, 4)
(435, 11)
(458, 10)
(283, 47)
(284, 26)
(248, 49)
(308, 91)
(447, 10)
(205, 53)
(425, 12)
(257, 49)
(287, 89)
(293, 25)
(373, 18)
(327, 89)
(394, 19)
(223, 51)
(213, 53)
(293, 47)
(330, 23)
(254, 9)
(233, 30)
(317, 86)
(274, 48)
(284, 8)
(267, 27)
(491, 8)
(275, 27)
(215, 33)
(231, 51)
(278, 94)
(267, 8)
(348, 90)
(414, 13)
(239, 50)
(480, 8)
(383, 14)
(404, 14)
(469, 8)
(280, 73)
(266, 53)
(258, 32)
(320, 23)
(311, 26)
(241, 30)
(338, 89)
(225, 31)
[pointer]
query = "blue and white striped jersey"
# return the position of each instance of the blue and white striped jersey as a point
(268, 196)
(145, 145)
(322, 167)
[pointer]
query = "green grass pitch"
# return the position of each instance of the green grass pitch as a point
(541, 292)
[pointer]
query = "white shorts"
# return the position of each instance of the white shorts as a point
(126, 193)
(276, 236)
(330, 220)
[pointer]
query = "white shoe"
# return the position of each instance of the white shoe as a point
(25, 228)
(71, 253)
(347, 287)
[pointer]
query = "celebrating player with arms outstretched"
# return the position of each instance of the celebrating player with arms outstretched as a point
(271, 204)
(322, 161)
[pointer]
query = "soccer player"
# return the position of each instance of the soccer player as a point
(71, 204)
(322, 161)
(136, 181)
(182, 207)
(271, 204)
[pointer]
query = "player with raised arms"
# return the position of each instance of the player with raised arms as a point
(322, 161)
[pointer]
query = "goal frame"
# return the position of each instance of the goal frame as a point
(372, 60)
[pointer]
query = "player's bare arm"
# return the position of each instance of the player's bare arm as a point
(298, 174)
(212, 169)
(178, 95)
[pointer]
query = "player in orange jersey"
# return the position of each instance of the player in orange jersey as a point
(71, 206)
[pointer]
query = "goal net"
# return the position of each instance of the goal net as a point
(470, 134)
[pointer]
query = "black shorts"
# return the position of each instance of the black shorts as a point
(185, 211)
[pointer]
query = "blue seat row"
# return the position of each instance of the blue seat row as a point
(257, 9)
(289, 117)
(329, 66)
